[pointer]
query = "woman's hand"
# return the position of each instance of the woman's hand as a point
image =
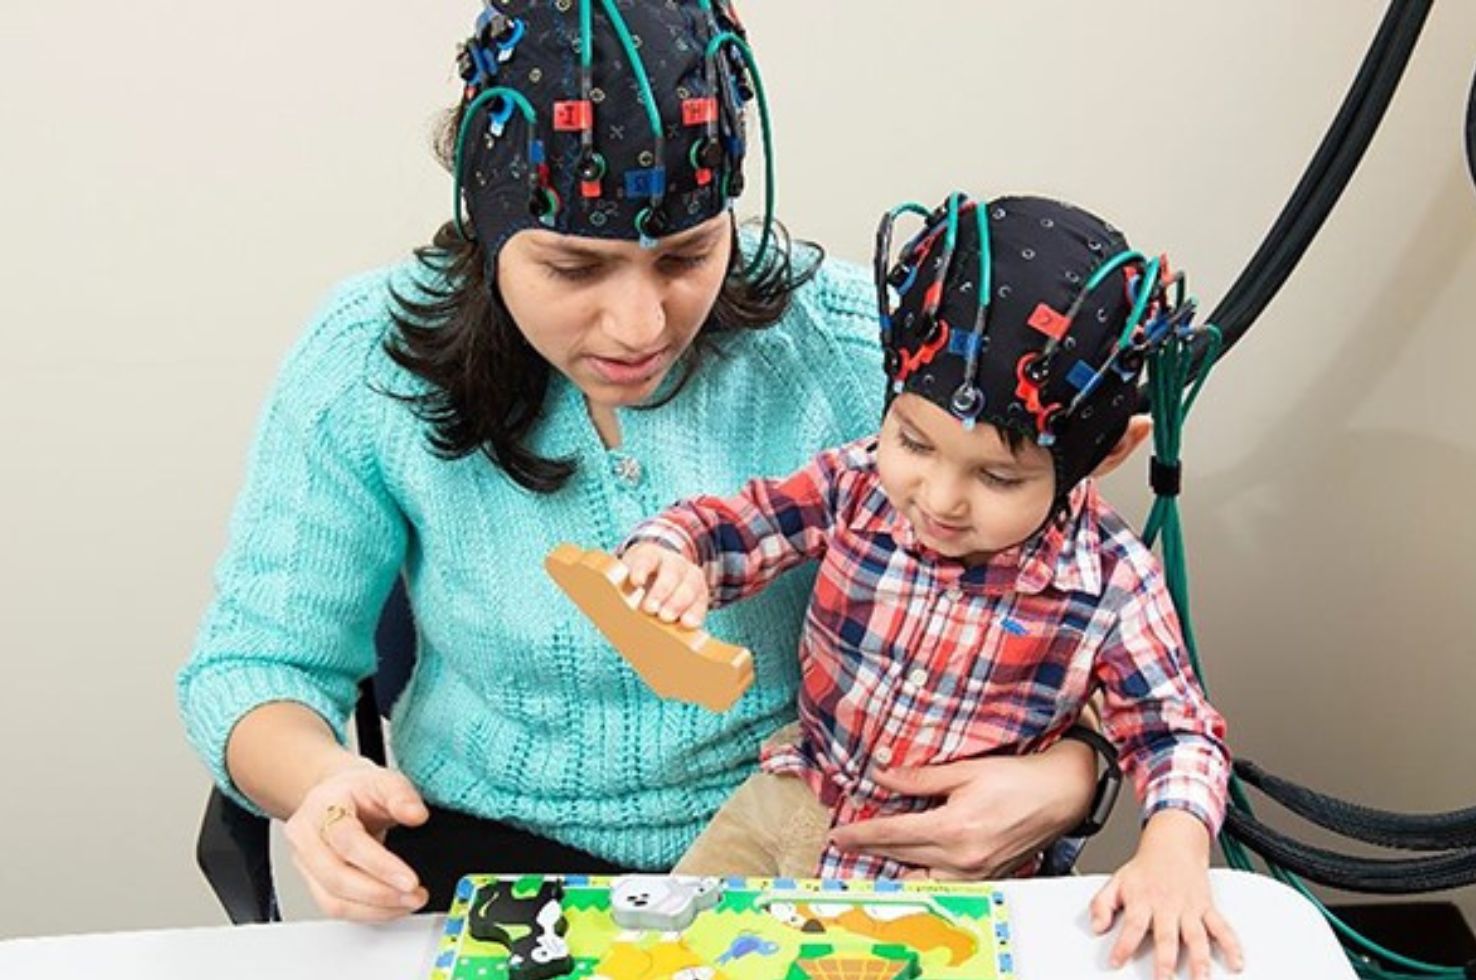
(998, 812)
(675, 587)
(337, 840)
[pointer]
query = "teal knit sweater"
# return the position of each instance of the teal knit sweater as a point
(518, 710)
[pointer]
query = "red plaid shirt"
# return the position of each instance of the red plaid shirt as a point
(909, 658)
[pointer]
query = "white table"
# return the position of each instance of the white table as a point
(1282, 934)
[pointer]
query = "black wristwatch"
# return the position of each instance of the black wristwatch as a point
(1109, 780)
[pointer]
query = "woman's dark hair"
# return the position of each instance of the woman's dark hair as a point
(486, 385)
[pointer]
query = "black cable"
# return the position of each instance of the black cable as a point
(1332, 166)
(1376, 876)
(1406, 831)
(1471, 130)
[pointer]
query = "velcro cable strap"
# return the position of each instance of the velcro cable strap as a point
(1165, 478)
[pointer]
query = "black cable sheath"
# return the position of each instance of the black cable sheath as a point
(1328, 174)
(1407, 831)
(1375, 876)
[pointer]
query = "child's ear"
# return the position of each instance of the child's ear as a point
(1139, 427)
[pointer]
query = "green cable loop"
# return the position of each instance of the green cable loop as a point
(713, 46)
(648, 99)
(586, 35)
(1116, 261)
(1140, 302)
(950, 234)
(497, 91)
(986, 266)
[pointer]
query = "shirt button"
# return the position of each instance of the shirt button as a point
(918, 677)
(954, 593)
(883, 755)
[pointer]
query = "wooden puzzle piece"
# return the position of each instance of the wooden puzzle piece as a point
(881, 963)
(664, 960)
(675, 661)
(667, 903)
(531, 928)
(908, 923)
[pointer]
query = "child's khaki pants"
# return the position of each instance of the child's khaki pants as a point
(772, 826)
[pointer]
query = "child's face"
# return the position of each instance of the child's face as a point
(965, 492)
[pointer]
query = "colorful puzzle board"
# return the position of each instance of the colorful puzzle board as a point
(762, 929)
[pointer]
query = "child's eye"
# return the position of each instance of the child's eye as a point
(1000, 482)
(910, 444)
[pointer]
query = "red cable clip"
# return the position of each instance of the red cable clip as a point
(573, 117)
(699, 112)
(924, 354)
(1049, 322)
(1029, 391)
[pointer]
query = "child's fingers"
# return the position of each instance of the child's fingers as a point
(1197, 948)
(1165, 945)
(1103, 906)
(663, 583)
(640, 562)
(1224, 937)
(1135, 922)
(697, 611)
(682, 597)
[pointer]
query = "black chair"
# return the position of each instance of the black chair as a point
(233, 849)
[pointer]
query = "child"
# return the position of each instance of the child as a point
(974, 590)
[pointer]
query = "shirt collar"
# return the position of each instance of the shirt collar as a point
(1064, 555)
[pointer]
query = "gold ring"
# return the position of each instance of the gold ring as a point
(331, 816)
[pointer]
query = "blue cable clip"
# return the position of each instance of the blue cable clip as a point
(497, 119)
(1080, 375)
(485, 67)
(505, 48)
(963, 343)
(647, 182)
(907, 283)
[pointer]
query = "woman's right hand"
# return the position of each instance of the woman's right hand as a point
(337, 839)
(675, 588)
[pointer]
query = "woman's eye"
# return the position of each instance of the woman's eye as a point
(681, 263)
(574, 273)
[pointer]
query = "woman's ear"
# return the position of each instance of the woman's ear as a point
(1139, 427)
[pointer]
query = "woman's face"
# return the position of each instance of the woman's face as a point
(610, 315)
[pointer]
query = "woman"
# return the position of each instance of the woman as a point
(593, 344)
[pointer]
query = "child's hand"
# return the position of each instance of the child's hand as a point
(675, 587)
(1166, 887)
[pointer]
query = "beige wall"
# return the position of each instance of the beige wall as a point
(179, 182)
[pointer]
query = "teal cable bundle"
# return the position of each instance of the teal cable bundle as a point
(1173, 388)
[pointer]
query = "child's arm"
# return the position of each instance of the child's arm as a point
(1172, 745)
(1165, 888)
(735, 546)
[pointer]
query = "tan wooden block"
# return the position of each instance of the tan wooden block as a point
(677, 662)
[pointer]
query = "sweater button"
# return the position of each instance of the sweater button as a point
(628, 471)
